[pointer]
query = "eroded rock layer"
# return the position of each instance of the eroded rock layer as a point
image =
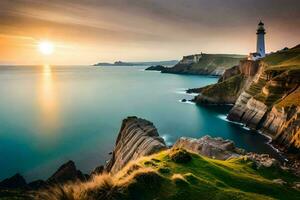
(137, 137)
(271, 103)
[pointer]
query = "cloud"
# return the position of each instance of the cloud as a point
(190, 25)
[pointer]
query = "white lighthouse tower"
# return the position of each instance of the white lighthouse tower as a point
(260, 43)
(260, 46)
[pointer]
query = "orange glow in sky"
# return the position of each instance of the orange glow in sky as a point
(87, 32)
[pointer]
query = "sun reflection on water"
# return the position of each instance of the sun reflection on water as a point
(48, 101)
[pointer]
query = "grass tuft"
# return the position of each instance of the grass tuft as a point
(180, 156)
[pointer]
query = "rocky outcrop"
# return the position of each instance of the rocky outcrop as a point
(220, 149)
(15, 182)
(137, 137)
(67, 172)
(262, 160)
(215, 148)
(234, 81)
(204, 64)
(156, 68)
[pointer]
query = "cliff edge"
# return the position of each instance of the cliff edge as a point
(204, 64)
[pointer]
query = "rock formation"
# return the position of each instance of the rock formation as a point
(216, 148)
(15, 182)
(67, 172)
(137, 137)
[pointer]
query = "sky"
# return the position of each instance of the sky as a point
(90, 31)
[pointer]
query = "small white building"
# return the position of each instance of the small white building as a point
(260, 43)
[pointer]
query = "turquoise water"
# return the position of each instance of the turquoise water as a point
(49, 114)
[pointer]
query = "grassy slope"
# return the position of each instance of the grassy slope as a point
(212, 61)
(159, 177)
(288, 58)
(231, 86)
(204, 178)
(280, 66)
(291, 99)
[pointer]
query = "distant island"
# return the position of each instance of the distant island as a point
(149, 63)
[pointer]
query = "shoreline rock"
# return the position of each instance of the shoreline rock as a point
(155, 68)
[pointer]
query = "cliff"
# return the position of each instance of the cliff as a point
(204, 64)
(137, 137)
(271, 103)
(265, 94)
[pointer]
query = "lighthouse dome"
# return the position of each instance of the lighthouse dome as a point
(261, 23)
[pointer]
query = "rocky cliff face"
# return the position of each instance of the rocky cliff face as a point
(282, 124)
(204, 64)
(265, 94)
(137, 137)
(234, 81)
(271, 102)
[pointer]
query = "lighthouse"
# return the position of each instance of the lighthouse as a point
(260, 45)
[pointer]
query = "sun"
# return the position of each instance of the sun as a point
(46, 47)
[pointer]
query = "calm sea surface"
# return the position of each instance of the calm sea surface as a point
(51, 114)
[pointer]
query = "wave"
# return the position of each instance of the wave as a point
(183, 91)
(166, 138)
(187, 102)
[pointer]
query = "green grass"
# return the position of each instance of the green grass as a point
(256, 87)
(162, 177)
(286, 58)
(212, 61)
(229, 87)
(207, 64)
